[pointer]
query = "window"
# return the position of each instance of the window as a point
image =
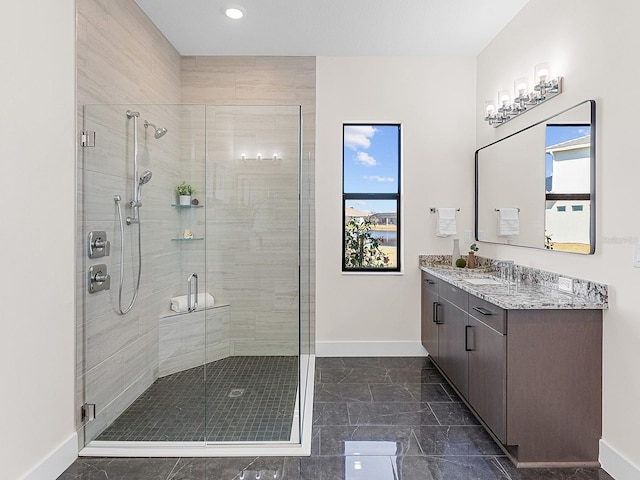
(371, 197)
(576, 208)
(561, 208)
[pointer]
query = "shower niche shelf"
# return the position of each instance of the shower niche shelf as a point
(177, 205)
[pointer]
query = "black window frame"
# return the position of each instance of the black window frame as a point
(373, 196)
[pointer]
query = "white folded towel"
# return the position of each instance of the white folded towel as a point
(446, 222)
(508, 222)
(179, 304)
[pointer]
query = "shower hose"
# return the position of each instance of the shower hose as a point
(124, 311)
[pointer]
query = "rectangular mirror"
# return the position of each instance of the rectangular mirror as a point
(536, 187)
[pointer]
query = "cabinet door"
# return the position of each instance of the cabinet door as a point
(487, 375)
(429, 327)
(452, 356)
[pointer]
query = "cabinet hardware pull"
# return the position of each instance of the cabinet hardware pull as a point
(483, 311)
(435, 313)
(467, 329)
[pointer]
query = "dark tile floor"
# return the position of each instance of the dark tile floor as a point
(248, 399)
(374, 419)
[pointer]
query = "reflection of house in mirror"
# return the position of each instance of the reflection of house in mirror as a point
(568, 201)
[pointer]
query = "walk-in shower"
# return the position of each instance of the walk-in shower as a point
(233, 369)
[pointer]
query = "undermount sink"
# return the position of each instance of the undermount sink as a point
(483, 281)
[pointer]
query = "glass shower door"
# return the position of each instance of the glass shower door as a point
(142, 343)
(253, 257)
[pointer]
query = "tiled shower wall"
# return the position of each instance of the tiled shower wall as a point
(122, 59)
(254, 81)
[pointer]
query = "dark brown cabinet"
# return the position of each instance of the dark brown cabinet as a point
(487, 391)
(429, 328)
(452, 323)
(533, 377)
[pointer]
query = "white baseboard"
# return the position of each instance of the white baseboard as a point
(616, 465)
(370, 349)
(56, 462)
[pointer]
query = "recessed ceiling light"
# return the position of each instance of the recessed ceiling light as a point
(235, 13)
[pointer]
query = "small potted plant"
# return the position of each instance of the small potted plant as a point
(185, 190)
(473, 248)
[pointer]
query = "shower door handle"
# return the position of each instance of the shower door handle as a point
(192, 277)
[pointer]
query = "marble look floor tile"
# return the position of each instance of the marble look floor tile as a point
(366, 440)
(355, 375)
(392, 393)
(347, 362)
(453, 414)
(452, 468)
(429, 392)
(404, 413)
(453, 396)
(227, 468)
(330, 413)
(342, 392)
(446, 440)
(552, 473)
(119, 469)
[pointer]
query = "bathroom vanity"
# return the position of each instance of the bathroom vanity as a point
(526, 358)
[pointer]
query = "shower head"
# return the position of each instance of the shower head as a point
(159, 131)
(146, 176)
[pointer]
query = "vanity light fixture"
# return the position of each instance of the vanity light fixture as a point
(508, 107)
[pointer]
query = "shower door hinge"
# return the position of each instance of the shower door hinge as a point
(88, 138)
(88, 412)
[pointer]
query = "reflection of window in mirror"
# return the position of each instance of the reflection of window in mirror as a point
(568, 184)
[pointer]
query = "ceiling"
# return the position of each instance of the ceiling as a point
(332, 27)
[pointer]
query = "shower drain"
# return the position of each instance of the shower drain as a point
(236, 392)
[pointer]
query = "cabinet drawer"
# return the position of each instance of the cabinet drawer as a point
(430, 282)
(454, 295)
(488, 313)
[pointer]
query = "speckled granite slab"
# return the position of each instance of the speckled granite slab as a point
(530, 289)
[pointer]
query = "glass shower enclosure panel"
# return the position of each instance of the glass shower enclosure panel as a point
(142, 341)
(253, 269)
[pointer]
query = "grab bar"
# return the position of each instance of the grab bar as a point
(195, 303)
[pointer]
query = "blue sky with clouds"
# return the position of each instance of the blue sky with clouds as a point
(370, 158)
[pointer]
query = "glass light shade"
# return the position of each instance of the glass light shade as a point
(542, 73)
(489, 108)
(504, 98)
(520, 87)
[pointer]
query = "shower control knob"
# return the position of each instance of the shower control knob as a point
(97, 244)
(98, 278)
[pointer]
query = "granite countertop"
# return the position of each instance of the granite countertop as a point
(522, 295)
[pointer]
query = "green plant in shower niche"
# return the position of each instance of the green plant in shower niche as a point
(474, 248)
(362, 249)
(185, 189)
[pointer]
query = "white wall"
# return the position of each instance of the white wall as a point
(433, 100)
(37, 174)
(591, 43)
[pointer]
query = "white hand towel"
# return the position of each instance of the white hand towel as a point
(179, 304)
(508, 222)
(446, 222)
